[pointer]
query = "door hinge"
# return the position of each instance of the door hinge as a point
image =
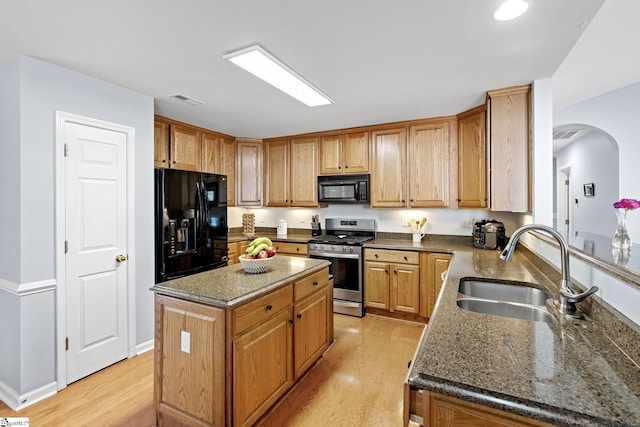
(66, 246)
(66, 150)
(566, 221)
(66, 344)
(566, 182)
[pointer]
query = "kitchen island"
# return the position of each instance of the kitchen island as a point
(229, 344)
(491, 370)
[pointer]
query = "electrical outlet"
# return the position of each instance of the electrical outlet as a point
(301, 219)
(469, 223)
(404, 222)
(261, 217)
(185, 342)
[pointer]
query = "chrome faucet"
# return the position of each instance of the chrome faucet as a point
(568, 297)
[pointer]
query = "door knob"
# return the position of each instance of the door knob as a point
(121, 258)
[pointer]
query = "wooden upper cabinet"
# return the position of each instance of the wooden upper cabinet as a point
(388, 168)
(510, 142)
(219, 157)
(428, 165)
(185, 148)
(276, 173)
(472, 159)
(344, 153)
(291, 172)
(249, 176)
(304, 172)
(160, 144)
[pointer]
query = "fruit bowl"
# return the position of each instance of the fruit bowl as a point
(254, 266)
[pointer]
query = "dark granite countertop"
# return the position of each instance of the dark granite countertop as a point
(230, 286)
(564, 373)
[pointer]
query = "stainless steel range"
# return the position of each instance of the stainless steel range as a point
(342, 246)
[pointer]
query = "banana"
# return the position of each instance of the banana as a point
(259, 240)
(258, 248)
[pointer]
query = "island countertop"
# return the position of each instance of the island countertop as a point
(563, 373)
(230, 286)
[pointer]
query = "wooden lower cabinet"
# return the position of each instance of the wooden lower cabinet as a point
(392, 280)
(217, 367)
(189, 349)
(291, 249)
(437, 410)
(432, 265)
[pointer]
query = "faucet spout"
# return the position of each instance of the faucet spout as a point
(568, 297)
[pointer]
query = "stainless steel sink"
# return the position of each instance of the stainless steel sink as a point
(511, 299)
(508, 292)
(506, 309)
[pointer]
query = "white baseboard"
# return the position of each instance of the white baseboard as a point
(144, 347)
(17, 402)
(21, 289)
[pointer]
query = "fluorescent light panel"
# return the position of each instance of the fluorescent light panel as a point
(267, 67)
(511, 9)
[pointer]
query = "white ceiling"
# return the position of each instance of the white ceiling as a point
(379, 60)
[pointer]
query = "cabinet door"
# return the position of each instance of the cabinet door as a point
(356, 152)
(276, 173)
(227, 166)
(259, 381)
(303, 175)
(232, 253)
(185, 148)
(405, 288)
(388, 172)
(310, 331)
(331, 154)
(428, 165)
(249, 178)
(190, 362)
(160, 145)
(510, 147)
(376, 285)
(210, 147)
(438, 264)
(472, 161)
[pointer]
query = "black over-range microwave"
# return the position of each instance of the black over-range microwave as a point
(343, 189)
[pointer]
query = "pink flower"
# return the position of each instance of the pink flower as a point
(627, 204)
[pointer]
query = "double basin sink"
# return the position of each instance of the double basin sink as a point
(516, 300)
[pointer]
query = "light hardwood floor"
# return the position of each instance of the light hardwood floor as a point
(358, 382)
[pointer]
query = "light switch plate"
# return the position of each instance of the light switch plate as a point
(185, 342)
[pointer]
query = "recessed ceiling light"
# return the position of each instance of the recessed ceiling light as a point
(511, 9)
(267, 67)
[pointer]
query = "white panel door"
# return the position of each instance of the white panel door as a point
(96, 236)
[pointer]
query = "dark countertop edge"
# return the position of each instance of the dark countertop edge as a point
(223, 303)
(291, 238)
(528, 409)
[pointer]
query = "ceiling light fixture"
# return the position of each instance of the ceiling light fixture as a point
(267, 67)
(511, 9)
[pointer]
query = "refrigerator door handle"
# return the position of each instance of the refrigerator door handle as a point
(199, 219)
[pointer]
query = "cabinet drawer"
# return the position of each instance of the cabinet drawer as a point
(232, 248)
(310, 284)
(257, 311)
(286, 248)
(386, 255)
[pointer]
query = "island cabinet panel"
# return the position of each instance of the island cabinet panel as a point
(262, 368)
(313, 319)
(190, 363)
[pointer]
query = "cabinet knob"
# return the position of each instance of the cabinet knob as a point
(375, 255)
(395, 271)
(163, 161)
(299, 316)
(174, 161)
(459, 200)
(269, 306)
(346, 167)
(405, 258)
(315, 283)
(411, 200)
(339, 167)
(297, 249)
(402, 200)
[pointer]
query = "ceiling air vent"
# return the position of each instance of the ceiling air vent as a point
(565, 134)
(187, 99)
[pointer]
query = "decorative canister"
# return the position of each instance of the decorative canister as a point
(282, 228)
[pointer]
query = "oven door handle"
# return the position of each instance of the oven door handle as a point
(332, 255)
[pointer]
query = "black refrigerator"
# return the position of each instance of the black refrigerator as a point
(190, 223)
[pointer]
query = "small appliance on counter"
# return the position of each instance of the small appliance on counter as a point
(489, 234)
